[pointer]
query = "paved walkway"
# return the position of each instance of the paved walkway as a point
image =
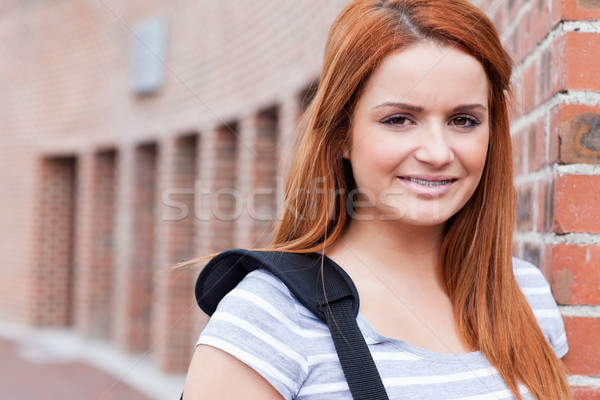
(51, 364)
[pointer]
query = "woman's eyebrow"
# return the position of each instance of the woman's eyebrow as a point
(470, 107)
(406, 106)
(414, 108)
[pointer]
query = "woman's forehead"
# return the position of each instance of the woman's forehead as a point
(427, 73)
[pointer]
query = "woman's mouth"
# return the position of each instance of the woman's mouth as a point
(428, 185)
(429, 182)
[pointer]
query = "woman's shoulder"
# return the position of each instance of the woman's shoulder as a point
(257, 323)
(262, 301)
(538, 293)
(262, 289)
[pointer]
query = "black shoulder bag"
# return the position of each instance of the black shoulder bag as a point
(320, 285)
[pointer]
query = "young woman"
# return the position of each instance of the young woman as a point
(407, 141)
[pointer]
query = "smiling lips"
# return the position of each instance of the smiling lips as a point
(431, 185)
(429, 182)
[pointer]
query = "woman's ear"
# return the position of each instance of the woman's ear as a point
(346, 151)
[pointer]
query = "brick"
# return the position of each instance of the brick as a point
(556, 11)
(512, 46)
(497, 14)
(514, 103)
(525, 202)
(554, 133)
(519, 159)
(577, 127)
(529, 93)
(533, 27)
(546, 261)
(532, 252)
(586, 393)
(583, 357)
(584, 74)
(537, 144)
(512, 7)
(576, 274)
(545, 198)
(579, 10)
(549, 67)
(544, 75)
(576, 204)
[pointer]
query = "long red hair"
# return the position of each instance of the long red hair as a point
(491, 312)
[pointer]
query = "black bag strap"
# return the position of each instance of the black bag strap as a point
(320, 285)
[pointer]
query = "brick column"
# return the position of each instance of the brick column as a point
(136, 215)
(216, 201)
(173, 330)
(123, 243)
(83, 285)
(257, 179)
(556, 132)
(289, 113)
(95, 244)
(200, 246)
(215, 209)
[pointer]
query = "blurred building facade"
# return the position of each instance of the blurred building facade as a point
(138, 134)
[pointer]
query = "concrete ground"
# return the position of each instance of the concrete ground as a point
(49, 364)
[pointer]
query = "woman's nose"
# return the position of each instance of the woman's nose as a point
(434, 149)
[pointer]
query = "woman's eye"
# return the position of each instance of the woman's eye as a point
(464, 121)
(396, 120)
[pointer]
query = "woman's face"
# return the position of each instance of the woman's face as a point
(419, 136)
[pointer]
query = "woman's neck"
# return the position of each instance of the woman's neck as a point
(391, 249)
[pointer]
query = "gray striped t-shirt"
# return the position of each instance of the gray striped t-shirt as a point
(262, 324)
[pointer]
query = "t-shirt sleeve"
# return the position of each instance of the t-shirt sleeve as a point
(257, 323)
(537, 291)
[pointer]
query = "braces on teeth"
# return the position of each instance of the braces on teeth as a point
(428, 183)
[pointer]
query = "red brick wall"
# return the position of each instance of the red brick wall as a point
(52, 279)
(95, 244)
(257, 177)
(131, 171)
(174, 307)
(556, 132)
(87, 236)
(134, 310)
